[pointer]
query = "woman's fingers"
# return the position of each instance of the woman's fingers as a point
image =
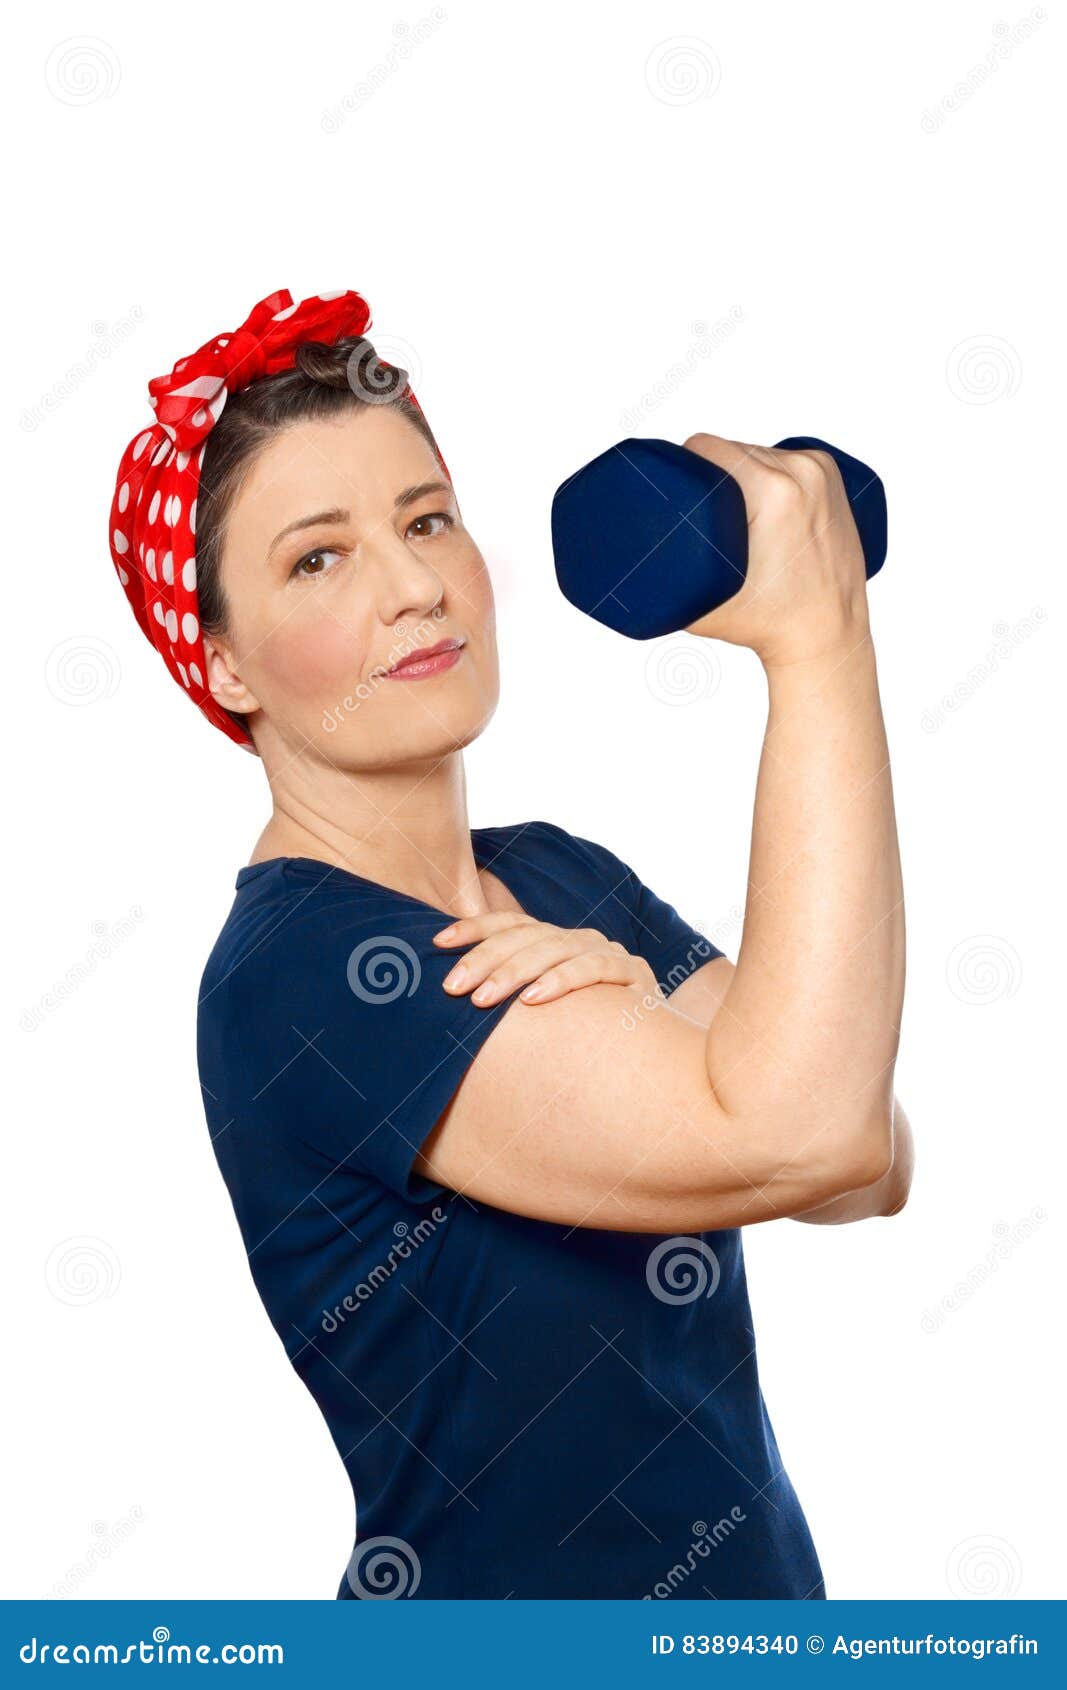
(490, 972)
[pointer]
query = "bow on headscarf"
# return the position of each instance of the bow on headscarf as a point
(153, 512)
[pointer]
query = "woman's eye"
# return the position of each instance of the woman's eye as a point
(306, 567)
(434, 516)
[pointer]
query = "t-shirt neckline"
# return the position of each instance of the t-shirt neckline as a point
(480, 845)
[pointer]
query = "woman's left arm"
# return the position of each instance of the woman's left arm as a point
(699, 997)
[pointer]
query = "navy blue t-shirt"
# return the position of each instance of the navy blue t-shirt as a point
(524, 1409)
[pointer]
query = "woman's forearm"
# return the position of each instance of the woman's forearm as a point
(809, 1026)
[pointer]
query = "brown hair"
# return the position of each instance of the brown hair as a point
(326, 381)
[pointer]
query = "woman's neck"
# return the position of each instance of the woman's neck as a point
(417, 841)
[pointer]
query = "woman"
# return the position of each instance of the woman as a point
(490, 1112)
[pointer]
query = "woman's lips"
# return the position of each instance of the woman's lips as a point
(423, 664)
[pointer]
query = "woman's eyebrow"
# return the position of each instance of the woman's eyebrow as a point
(407, 497)
(335, 515)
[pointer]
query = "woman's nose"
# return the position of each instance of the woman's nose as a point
(406, 585)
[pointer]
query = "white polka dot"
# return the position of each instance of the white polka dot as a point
(280, 316)
(123, 577)
(192, 516)
(173, 510)
(185, 678)
(172, 624)
(194, 670)
(168, 568)
(189, 575)
(157, 612)
(119, 541)
(199, 417)
(124, 495)
(141, 444)
(338, 293)
(183, 459)
(224, 340)
(190, 627)
(160, 452)
(150, 562)
(153, 509)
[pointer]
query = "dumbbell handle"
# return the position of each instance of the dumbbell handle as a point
(649, 536)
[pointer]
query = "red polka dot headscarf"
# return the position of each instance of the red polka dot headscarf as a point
(153, 513)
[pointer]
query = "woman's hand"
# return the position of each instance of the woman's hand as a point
(805, 591)
(510, 949)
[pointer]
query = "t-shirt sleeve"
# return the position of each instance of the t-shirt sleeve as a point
(349, 1039)
(672, 946)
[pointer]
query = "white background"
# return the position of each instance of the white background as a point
(573, 223)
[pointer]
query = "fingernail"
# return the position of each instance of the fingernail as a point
(484, 992)
(445, 933)
(534, 991)
(456, 980)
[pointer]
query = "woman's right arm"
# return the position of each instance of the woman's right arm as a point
(598, 1110)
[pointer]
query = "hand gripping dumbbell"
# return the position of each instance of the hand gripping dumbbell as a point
(650, 536)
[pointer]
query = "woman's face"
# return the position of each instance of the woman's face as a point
(344, 551)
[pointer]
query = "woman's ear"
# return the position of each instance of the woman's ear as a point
(223, 682)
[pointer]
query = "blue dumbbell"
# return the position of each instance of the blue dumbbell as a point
(650, 536)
